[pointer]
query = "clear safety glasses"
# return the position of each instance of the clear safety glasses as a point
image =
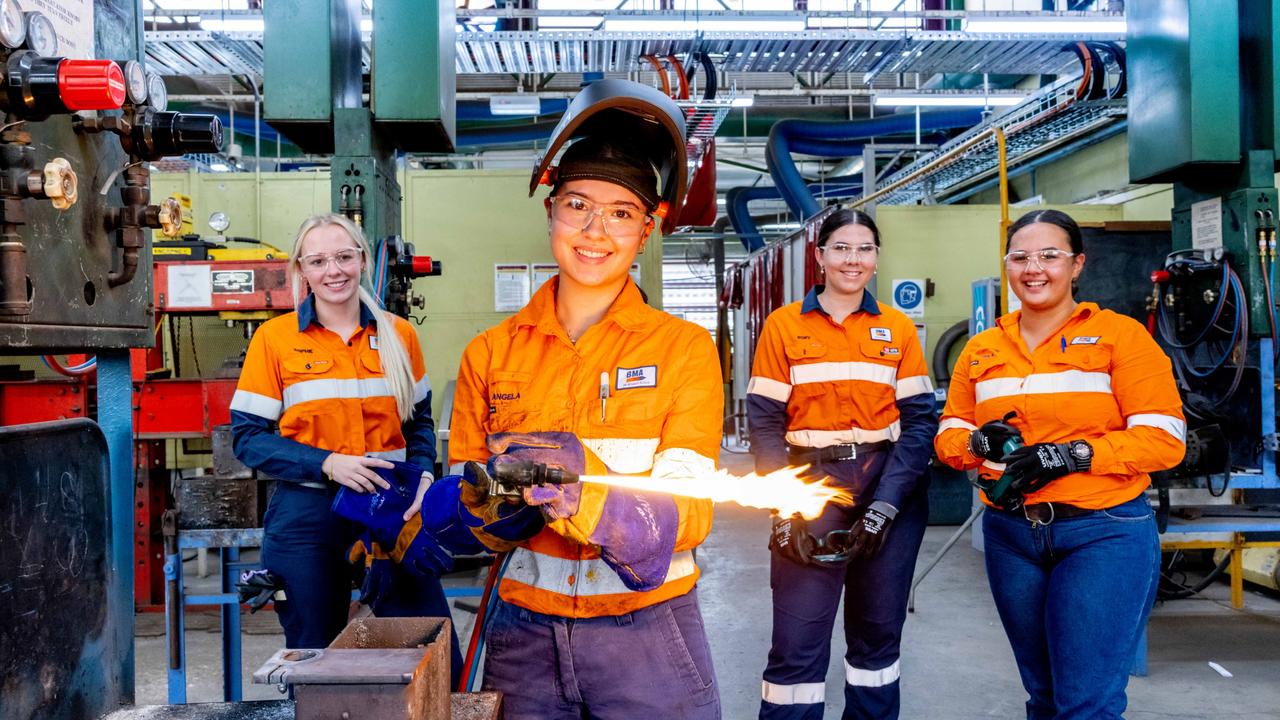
(620, 220)
(1043, 259)
(841, 252)
(319, 262)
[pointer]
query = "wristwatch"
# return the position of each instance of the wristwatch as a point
(1082, 453)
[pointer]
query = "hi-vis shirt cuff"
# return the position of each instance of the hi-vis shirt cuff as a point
(768, 387)
(954, 422)
(1168, 423)
(421, 390)
(912, 386)
(255, 404)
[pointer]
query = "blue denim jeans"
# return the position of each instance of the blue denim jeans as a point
(653, 663)
(1074, 596)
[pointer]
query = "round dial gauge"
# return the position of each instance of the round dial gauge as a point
(41, 36)
(13, 26)
(135, 82)
(157, 92)
(219, 222)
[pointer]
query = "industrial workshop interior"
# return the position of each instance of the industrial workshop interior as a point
(532, 359)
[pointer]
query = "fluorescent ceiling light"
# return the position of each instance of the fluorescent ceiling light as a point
(515, 105)
(219, 167)
(231, 24)
(1055, 25)
(747, 101)
(939, 100)
(202, 5)
(715, 24)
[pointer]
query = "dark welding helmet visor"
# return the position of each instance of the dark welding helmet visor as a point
(624, 126)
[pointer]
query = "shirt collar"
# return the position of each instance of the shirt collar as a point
(628, 310)
(1009, 322)
(307, 314)
(810, 303)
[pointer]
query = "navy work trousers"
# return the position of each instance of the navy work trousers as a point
(805, 600)
(1074, 596)
(307, 545)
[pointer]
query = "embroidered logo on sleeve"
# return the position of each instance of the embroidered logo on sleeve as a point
(1086, 340)
(640, 377)
(881, 333)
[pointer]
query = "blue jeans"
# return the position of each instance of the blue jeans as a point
(1074, 596)
(653, 663)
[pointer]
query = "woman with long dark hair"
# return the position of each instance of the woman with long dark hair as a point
(1072, 406)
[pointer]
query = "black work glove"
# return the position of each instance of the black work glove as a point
(257, 587)
(868, 534)
(1035, 466)
(988, 441)
(791, 539)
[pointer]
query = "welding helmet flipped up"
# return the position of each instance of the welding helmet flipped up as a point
(627, 132)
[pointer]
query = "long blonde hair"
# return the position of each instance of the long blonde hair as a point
(396, 368)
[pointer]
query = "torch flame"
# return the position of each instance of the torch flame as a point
(780, 490)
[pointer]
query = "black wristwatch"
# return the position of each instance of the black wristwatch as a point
(1082, 453)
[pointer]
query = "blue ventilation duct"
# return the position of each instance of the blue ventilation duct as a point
(744, 224)
(841, 139)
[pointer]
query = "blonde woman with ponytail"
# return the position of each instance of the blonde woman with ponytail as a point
(328, 394)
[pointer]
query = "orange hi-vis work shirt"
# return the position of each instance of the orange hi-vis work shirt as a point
(662, 416)
(1100, 378)
(327, 396)
(816, 383)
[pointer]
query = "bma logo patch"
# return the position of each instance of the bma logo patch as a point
(1086, 340)
(641, 377)
(879, 333)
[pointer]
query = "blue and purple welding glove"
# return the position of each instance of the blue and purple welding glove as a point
(636, 531)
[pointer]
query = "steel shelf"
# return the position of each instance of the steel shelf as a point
(870, 52)
(1048, 119)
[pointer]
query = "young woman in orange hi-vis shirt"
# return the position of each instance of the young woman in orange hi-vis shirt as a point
(599, 613)
(1071, 550)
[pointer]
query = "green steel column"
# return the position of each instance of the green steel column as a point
(363, 172)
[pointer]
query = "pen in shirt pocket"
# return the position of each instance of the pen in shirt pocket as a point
(1064, 343)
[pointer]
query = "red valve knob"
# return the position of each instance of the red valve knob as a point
(1159, 276)
(90, 85)
(422, 265)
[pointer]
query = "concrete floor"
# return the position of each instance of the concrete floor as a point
(956, 662)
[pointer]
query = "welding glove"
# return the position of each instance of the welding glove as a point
(867, 535)
(791, 538)
(1035, 466)
(988, 441)
(257, 587)
(499, 524)
(635, 531)
(427, 542)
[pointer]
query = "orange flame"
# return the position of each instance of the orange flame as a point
(780, 490)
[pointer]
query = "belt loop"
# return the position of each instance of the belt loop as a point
(624, 620)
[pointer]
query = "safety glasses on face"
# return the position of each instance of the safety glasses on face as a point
(620, 220)
(319, 262)
(841, 252)
(1044, 259)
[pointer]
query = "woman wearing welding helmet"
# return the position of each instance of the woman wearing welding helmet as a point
(599, 613)
(839, 384)
(1071, 406)
(330, 394)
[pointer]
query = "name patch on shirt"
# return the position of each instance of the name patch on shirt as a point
(640, 377)
(1086, 340)
(373, 342)
(879, 333)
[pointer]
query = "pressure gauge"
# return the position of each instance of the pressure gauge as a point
(41, 36)
(135, 82)
(157, 92)
(13, 26)
(219, 222)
